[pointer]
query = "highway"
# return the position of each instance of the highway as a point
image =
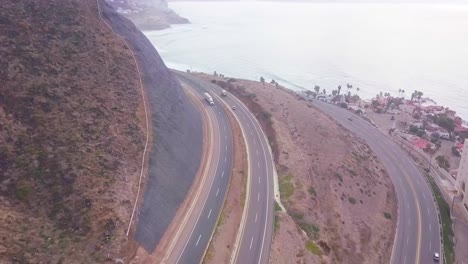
(190, 246)
(418, 231)
(256, 229)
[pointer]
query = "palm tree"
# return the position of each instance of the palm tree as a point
(324, 91)
(339, 89)
(317, 88)
(403, 93)
(419, 95)
(334, 92)
(358, 89)
(399, 91)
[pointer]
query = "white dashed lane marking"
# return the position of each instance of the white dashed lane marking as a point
(209, 214)
(217, 192)
(198, 240)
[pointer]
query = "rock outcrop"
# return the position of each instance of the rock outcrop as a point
(148, 14)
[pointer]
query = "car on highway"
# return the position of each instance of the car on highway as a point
(436, 257)
(233, 107)
(350, 118)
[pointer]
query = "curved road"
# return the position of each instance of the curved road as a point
(418, 230)
(256, 229)
(193, 241)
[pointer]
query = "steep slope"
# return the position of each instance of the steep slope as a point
(72, 132)
(177, 144)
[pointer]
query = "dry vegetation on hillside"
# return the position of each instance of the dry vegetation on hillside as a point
(340, 201)
(70, 136)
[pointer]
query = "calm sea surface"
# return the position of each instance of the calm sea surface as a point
(376, 47)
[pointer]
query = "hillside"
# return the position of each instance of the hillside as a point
(73, 130)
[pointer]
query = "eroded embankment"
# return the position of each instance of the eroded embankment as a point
(176, 136)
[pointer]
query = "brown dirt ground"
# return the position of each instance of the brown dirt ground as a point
(335, 190)
(221, 245)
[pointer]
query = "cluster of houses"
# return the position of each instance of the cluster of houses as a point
(426, 116)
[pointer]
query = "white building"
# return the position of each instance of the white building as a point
(462, 176)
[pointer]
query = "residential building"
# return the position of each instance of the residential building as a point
(462, 177)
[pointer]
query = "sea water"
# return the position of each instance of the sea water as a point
(376, 47)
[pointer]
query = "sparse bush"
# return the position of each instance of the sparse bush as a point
(455, 151)
(23, 192)
(443, 162)
(277, 224)
(311, 230)
(352, 200)
(387, 215)
(313, 248)
(286, 187)
(266, 115)
(277, 207)
(312, 191)
(297, 216)
(339, 176)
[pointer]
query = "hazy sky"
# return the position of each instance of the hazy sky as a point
(373, 1)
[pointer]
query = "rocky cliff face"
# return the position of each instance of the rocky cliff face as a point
(72, 132)
(148, 14)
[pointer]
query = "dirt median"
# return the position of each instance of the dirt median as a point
(220, 248)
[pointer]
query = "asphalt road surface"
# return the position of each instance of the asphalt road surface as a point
(257, 231)
(418, 230)
(192, 244)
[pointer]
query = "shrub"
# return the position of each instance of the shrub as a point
(312, 191)
(266, 115)
(443, 162)
(286, 187)
(311, 230)
(277, 207)
(313, 248)
(338, 175)
(387, 215)
(23, 192)
(455, 151)
(352, 200)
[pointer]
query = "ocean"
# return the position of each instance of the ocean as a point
(376, 47)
